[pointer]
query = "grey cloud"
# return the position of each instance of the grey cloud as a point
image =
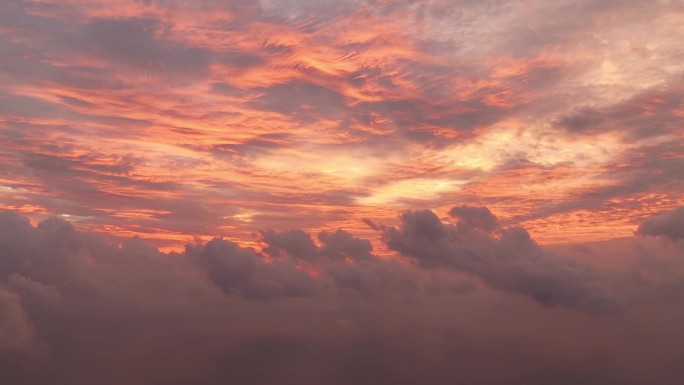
(296, 243)
(349, 263)
(14, 235)
(510, 261)
(669, 224)
(240, 8)
(72, 166)
(238, 60)
(378, 278)
(32, 61)
(24, 106)
(302, 99)
(218, 312)
(134, 42)
(237, 269)
(226, 89)
(341, 244)
(418, 120)
(76, 76)
(653, 112)
(369, 222)
(51, 259)
(34, 293)
(471, 217)
(21, 112)
(76, 101)
(337, 246)
(16, 329)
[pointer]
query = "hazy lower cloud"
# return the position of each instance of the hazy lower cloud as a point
(461, 295)
(669, 224)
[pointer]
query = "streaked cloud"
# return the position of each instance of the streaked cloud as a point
(273, 106)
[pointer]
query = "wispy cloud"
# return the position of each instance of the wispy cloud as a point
(272, 106)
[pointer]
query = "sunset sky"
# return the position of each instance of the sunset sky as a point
(174, 120)
(524, 158)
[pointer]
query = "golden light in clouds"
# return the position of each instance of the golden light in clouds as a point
(173, 120)
(431, 192)
(393, 193)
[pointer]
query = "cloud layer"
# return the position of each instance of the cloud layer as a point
(468, 301)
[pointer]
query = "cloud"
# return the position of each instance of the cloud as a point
(347, 262)
(296, 243)
(166, 83)
(652, 112)
(341, 245)
(302, 99)
(337, 246)
(669, 224)
(647, 177)
(504, 258)
(134, 42)
(79, 308)
(234, 268)
(16, 329)
(471, 217)
(263, 122)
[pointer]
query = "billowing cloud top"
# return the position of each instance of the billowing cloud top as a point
(461, 295)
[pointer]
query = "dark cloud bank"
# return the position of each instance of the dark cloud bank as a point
(466, 301)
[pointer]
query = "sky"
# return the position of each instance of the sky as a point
(341, 191)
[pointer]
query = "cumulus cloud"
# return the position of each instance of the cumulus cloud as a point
(471, 217)
(338, 245)
(341, 245)
(325, 310)
(296, 243)
(234, 268)
(669, 224)
(504, 258)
